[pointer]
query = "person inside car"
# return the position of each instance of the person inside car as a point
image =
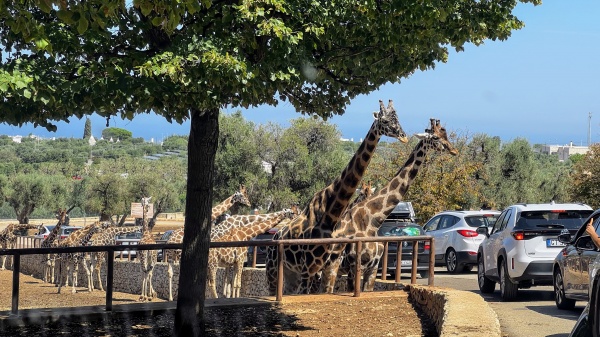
(592, 232)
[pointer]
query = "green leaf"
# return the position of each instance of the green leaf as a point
(157, 21)
(27, 93)
(82, 26)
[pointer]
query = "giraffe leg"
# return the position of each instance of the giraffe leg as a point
(330, 274)
(87, 265)
(227, 282)
(170, 274)
(237, 277)
(3, 262)
(98, 268)
(211, 281)
(271, 269)
(60, 276)
(152, 293)
(74, 280)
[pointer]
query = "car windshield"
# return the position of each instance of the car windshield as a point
(487, 220)
(49, 228)
(405, 231)
(552, 219)
(67, 231)
(129, 236)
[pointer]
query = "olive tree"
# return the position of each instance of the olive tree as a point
(189, 59)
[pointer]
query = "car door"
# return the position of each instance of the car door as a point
(431, 228)
(492, 244)
(588, 253)
(446, 232)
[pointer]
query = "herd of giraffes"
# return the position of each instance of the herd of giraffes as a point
(307, 268)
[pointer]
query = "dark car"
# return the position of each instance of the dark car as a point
(261, 251)
(163, 239)
(400, 228)
(572, 265)
(127, 239)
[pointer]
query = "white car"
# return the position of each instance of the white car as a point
(456, 238)
(520, 249)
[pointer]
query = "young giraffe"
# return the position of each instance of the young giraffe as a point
(104, 238)
(234, 221)
(365, 218)
(52, 241)
(147, 258)
(80, 237)
(302, 263)
(233, 258)
(239, 197)
(8, 238)
(173, 256)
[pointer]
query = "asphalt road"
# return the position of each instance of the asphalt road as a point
(534, 314)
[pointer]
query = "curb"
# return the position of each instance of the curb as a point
(456, 312)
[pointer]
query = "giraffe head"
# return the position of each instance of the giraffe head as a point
(366, 189)
(437, 137)
(62, 216)
(241, 197)
(387, 123)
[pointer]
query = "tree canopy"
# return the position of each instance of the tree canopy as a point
(187, 59)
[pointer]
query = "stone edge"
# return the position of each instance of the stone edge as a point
(452, 311)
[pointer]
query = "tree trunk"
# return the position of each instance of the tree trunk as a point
(202, 147)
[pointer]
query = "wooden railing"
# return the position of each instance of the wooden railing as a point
(17, 252)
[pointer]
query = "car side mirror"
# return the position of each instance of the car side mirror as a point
(565, 238)
(585, 243)
(483, 230)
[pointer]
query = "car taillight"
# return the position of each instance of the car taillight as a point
(45, 236)
(518, 236)
(467, 233)
(427, 246)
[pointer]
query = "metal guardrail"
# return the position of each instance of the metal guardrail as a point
(17, 252)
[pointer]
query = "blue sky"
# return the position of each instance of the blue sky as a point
(540, 84)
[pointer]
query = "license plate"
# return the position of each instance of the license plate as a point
(406, 263)
(554, 243)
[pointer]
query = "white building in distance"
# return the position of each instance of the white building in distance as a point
(564, 151)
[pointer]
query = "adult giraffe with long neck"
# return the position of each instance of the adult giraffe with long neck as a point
(365, 218)
(324, 210)
(239, 197)
(52, 241)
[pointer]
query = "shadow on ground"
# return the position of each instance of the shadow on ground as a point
(258, 320)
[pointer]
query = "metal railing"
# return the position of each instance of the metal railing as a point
(17, 252)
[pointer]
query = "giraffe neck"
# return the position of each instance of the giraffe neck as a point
(247, 233)
(49, 240)
(374, 210)
(77, 237)
(342, 189)
(238, 221)
(221, 208)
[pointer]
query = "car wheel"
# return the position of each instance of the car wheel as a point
(452, 263)
(486, 286)
(562, 302)
(508, 290)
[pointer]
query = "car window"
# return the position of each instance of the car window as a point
(487, 220)
(498, 223)
(432, 225)
(67, 231)
(447, 222)
(572, 219)
(504, 222)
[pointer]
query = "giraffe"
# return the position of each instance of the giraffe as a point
(104, 238)
(325, 208)
(365, 218)
(233, 258)
(147, 258)
(52, 241)
(80, 237)
(239, 197)
(234, 221)
(8, 238)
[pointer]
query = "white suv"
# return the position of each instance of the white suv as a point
(456, 237)
(520, 249)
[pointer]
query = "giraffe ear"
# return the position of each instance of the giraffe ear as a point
(376, 115)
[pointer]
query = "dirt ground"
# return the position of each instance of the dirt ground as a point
(373, 314)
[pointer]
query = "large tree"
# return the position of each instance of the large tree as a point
(187, 59)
